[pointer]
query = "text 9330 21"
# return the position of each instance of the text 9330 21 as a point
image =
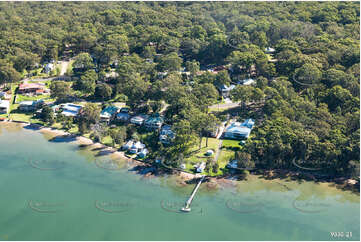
(341, 234)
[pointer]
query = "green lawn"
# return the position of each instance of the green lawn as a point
(45, 97)
(216, 109)
(73, 130)
(225, 156)
(107, 140)
(198, 155)
(47, 83)
(228, 143)
(118, 98)
(21, 117)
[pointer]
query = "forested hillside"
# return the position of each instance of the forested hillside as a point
(307, 95)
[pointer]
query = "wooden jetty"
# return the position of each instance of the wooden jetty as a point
(187, 207)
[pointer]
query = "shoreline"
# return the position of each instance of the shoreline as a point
(83, 141)
(267, 175)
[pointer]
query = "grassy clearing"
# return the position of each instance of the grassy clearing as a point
(45, 97)
(198, 155)
(107, 140)
(224, 157)
(23, 117)
(220, 109)
(232, 144)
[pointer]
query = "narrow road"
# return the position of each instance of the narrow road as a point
(224, 105)
(64, 67)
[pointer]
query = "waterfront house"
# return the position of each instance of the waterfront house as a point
(142, 154)
(70, 109)
(32, 88)
(127, 145)
(226, 90)
(108, 113)
(154, 122)
(136, 147)
(139, 119)
(4, 106)
(237, 131)
(166, 135)
(30, 106)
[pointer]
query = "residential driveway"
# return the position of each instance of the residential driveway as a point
(218, 151)
(64, 66)
(221, 130)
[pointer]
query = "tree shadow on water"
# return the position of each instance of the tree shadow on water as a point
(63, 139)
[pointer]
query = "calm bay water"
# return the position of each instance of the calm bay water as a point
(58, 191)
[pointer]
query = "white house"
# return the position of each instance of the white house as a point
(4, 106)
(154, 122)
(166, 135)
(143, 153)
(136, 147)
(108, 113)
(226, 90)
(48, 67)
(28, 106)
(237, 131)
(139, 119)
(248, 81)
(70, 109)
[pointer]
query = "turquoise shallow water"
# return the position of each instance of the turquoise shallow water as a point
(56, 191)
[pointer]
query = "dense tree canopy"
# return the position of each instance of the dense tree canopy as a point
(306, 94)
